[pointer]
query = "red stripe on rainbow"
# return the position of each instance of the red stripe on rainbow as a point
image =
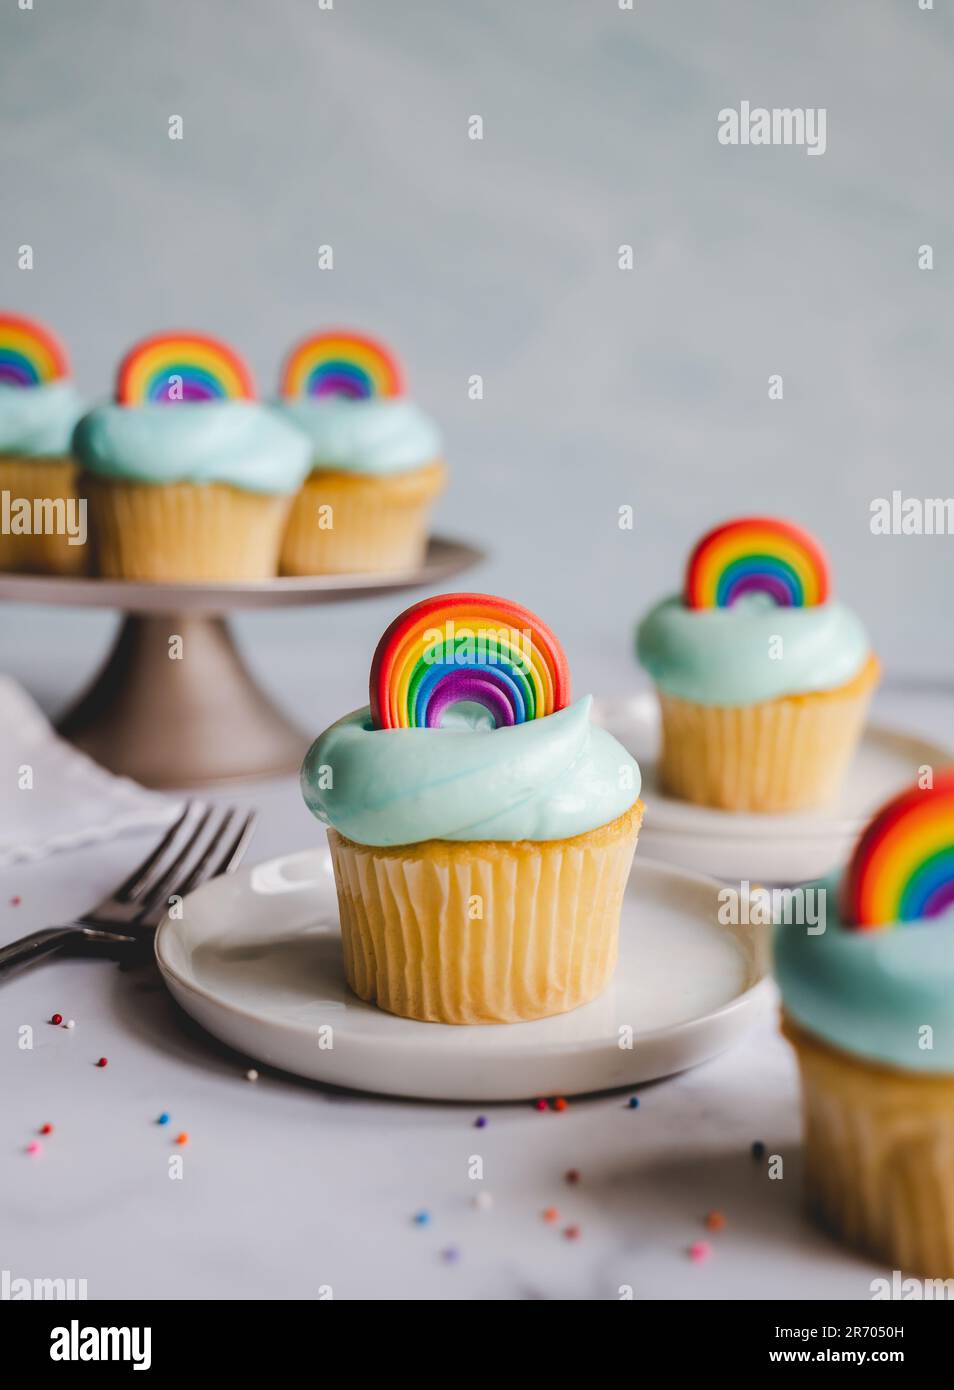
(30, 355)
(902, 868)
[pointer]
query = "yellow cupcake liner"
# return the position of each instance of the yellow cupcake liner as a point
(879, 1155)
(186, 532)
(346, 523)
(484, 931)
(47, 480)
(778, 755)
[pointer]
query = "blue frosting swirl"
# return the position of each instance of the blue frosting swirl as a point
(377, 436)
(241, 443)
(546, 779)
(871, 993)
(38, 421)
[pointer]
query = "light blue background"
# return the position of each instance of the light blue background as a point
(499, 257)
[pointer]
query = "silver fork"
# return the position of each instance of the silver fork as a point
(131, 912)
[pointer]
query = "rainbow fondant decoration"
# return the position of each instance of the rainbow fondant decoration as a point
(172, 368)
(902, 869)
(756, 554)
(29, 353)
(338, 363)
(471, 647)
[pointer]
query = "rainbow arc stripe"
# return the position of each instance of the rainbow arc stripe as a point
(756, 554)
(341, 363)
(902, 869)
(466, 647)
(174, 368)
(30, 355)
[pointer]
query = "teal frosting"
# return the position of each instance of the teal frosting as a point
(381, 435)
(241, 443)
(723, 656)
(872, 992)
(38, 421)
(546, 779)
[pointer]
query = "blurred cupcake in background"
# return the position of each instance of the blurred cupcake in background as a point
(43, 528)
(376, 459)
(189, 478)
(869, 1007)
(763, 679)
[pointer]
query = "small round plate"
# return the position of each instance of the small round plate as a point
(781, 848)
(256, 959)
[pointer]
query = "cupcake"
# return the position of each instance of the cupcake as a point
(188, 477)
(481, 826)
(376, 460)
(869, 1008)
(43, 524)
(763, 679)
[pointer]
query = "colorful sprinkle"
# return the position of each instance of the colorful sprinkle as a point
(571, 1233)
(103, 1062)
(634, 1102)
(540, 1105)
(57, 1018)
(715, 1221)
(71, 1023)
(699, 1250)
(182, 1138)
(29, 354)
(559, 1103)
(251, 1074)
(758, 1149)
(480, 1122)
(163, 1118)
(483, 1201)
(902, 869)
(572, 1175)
(451, 1255)
(550, 1214)
(422, 1218)
(181, 368)
(34, 1147)
(756, 554)
(16, 901)
(46, 1129)
(340, 363)
(466, 647)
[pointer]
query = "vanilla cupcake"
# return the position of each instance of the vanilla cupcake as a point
(869, 1008)
(43, 525)
(763, 679)
(376, 460)
(481, 826)
(188, 477)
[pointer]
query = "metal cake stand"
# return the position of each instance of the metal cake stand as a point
(177, 723)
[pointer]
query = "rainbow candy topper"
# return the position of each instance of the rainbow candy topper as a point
(902, 869)
(466, 647)
(175, 368)
(339, 363)
(756, 554)
(29, 354)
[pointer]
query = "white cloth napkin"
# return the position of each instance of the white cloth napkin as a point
(72, 801)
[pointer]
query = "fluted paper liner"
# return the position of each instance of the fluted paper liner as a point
(49, 479)
(778, 755)
(377, 524)
(187, 532)
(879, 1155)
(484, 931)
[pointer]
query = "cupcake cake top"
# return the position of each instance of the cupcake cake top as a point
(345, 392)
(39, 405)
(469, 735)
(879, 980)
(185, 411)
(755, 620)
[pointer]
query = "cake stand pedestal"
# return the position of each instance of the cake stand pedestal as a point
(174, 705)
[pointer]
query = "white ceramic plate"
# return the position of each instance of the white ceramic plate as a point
(256, 959)
(785, 848)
